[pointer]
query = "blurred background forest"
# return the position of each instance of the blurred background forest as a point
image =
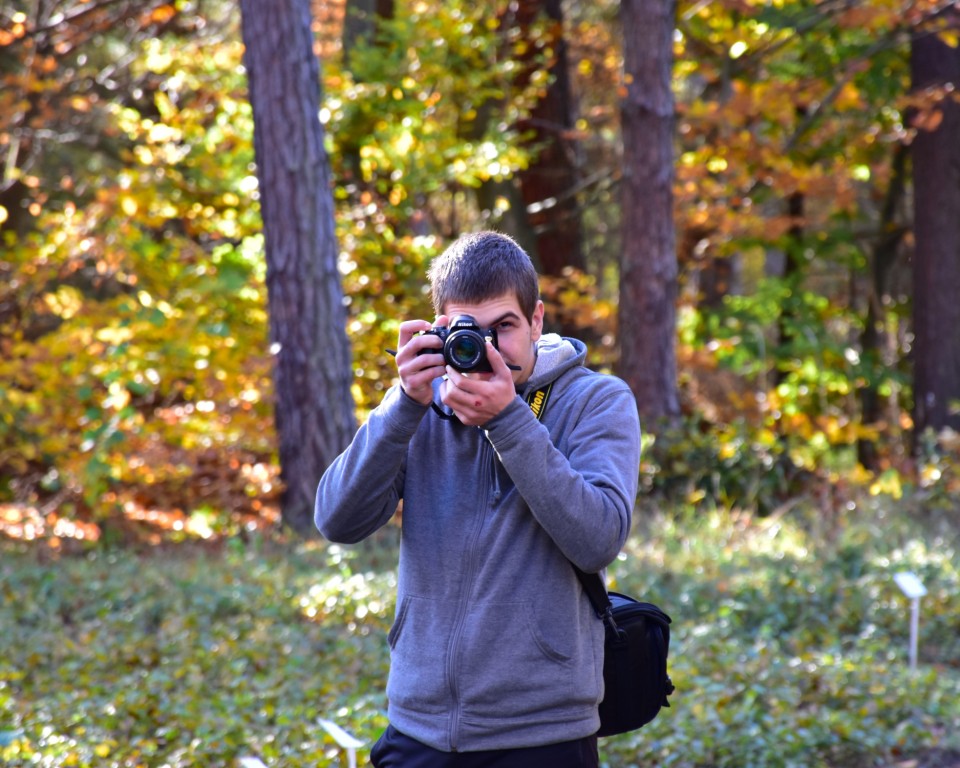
(136, 366)
(136, 371)
(213, 217)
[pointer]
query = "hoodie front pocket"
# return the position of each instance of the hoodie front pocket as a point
(418, 655)
(508, 668)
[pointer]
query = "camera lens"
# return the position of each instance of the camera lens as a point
(465, 350)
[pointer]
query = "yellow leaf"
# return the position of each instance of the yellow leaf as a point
(66, 302)
(849, 97)
(929, 475)
(888, 484)
(114, 335)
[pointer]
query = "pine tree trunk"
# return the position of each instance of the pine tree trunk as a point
(314, 407)
(936, 262)
(648, 275)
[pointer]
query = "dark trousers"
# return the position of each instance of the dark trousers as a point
(396, 750)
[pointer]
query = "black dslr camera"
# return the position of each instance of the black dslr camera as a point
(464, 345)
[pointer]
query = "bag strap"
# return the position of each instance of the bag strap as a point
(597, 592)
(592, 582)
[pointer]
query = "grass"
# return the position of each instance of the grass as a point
(789, 647)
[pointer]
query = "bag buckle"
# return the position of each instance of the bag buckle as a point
(609, 622)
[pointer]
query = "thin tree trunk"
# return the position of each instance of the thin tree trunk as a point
(792, 275)
(936, 262)
(362, 21)
(360, 24)
(874, 327)
(549, 185)
(648, 276)
(314, 408)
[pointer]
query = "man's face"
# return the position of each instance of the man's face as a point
(516, 334)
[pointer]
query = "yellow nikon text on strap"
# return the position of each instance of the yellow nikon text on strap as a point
(538, 400)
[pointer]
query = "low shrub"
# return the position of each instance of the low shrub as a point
(789, 646)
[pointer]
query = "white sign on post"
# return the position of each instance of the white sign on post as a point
(345, 740)
(910, 584)
(913, 588)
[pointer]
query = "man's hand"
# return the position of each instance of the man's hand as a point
(477, 398)
(417, 372)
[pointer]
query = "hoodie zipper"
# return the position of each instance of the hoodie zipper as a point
(453, 660)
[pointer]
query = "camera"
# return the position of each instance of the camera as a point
(464, 344)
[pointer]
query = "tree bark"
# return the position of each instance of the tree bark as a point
(872, 340)
(793, 264)
(360, 24)
(314, 409)
(936, 261)
(648, 275)
(549, 185)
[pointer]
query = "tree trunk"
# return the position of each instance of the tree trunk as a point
(314, 408)
(360, 24)
(793, 264)
(549, 185)
(872, 339)
(936, 261)
(648, 275)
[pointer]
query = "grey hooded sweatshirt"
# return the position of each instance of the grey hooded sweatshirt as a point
(495, 644)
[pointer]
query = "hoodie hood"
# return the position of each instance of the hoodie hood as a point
(555, 355)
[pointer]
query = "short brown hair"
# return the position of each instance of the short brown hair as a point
(481, 266)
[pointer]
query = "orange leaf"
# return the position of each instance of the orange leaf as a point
(163, 14)
(928, 120)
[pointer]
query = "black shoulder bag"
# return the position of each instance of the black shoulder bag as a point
(636, 683)
(635, 679)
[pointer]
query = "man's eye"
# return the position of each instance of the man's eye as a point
(505, 325)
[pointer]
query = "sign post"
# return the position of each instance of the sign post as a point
(913, 588)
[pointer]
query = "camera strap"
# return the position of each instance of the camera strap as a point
(537, 400)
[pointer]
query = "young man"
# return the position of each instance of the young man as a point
(496, 653)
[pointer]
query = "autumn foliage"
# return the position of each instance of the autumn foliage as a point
(137, 405)
(134, 362)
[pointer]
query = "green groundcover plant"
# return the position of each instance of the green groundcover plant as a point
(786, 651)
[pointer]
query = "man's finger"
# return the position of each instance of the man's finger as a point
(410, 328)
(497, 363)
(457, 379)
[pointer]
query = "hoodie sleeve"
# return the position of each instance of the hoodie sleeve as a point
(584, 495)
(360, 490)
